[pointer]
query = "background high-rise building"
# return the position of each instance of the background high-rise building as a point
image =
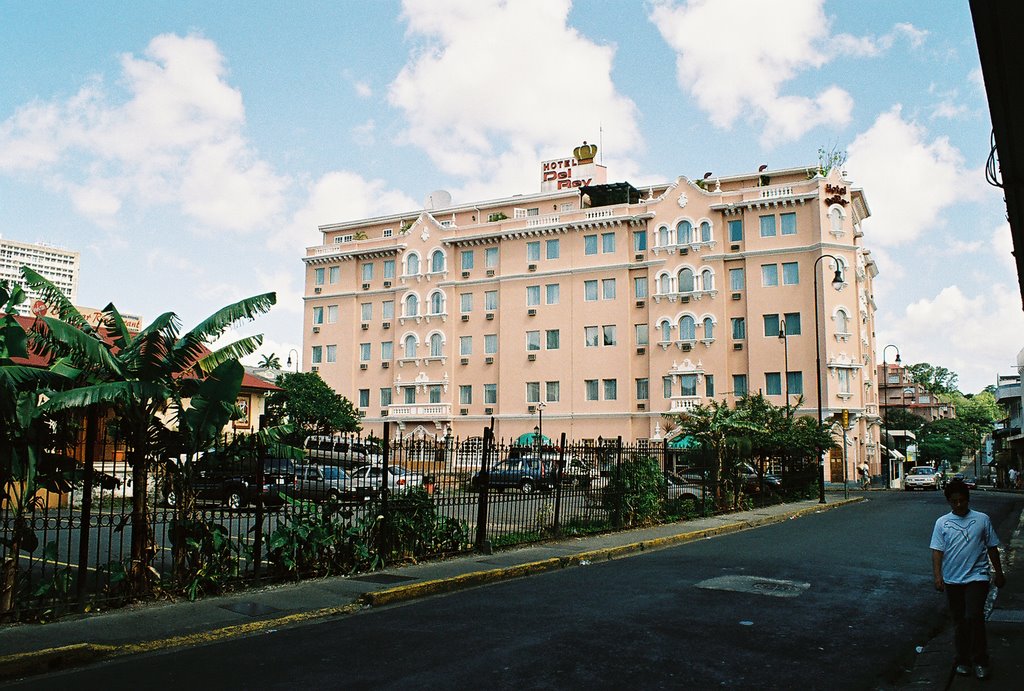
(594, 308)
(59, 265)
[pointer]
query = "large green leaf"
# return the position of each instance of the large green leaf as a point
(55, 298)
(84, 347)
(218, 322)
(210, 409)
(232, 351)
(146, 356)
(116, 327)
(115, 393)
(23, 378)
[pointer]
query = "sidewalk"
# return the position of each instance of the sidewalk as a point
(74, 641)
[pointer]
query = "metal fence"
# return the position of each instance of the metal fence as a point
(225, 518)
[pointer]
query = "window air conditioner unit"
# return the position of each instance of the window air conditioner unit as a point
(687, 346)
(488, 361)
(531, 357)
(465, 274)
(737, 346)
(464, 361)
(384, 413)
(490, 272)
(532, 267)
(639, 257)
(734, 248)
(316, 329)
(366, 286)
(737, 296)
(490, 316)
(684, 298)
(531, 409)
(385, 364)
(463, 411)
(386, 325)
(684, 250)
(531, 313)
(640, 303)
(318, 290)
(641, 350)
(641, 406)
(387, 284)
(362, 365)
(364, 326)
(314, 368)
(465, 317)
(488, 411)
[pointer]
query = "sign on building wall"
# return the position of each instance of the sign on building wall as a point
(573, 171)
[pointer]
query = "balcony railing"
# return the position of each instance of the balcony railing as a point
(432, 410)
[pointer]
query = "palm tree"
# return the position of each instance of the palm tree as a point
(270, 361)
(138, 376)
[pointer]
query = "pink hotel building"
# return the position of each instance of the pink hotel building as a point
(600, 306)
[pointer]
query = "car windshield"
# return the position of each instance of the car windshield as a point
(333, 473)
(923, 471)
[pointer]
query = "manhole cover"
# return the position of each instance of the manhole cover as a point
(756, 585)
(383, 578)
(250, 609)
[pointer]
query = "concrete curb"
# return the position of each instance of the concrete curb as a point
(67, 657)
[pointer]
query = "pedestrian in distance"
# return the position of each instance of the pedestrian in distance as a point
(963, 544)
(865, 479)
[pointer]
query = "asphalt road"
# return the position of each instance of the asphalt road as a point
(836, 600)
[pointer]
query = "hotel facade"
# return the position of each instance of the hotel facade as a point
(595, 308)
(59, 265)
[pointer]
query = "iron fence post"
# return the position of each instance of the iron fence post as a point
(558, 484)
(88, 457)
(483, 483)
(382, 537)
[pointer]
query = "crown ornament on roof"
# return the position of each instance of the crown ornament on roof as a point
(585, 153)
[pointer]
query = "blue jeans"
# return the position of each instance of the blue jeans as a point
(967, 606)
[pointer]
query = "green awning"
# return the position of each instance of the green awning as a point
(530, 439)
(684, 442)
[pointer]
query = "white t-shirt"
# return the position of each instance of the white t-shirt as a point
(964, 542)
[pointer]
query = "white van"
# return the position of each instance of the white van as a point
(342, 451)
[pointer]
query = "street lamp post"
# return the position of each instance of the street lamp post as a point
(837, 283)
(538, 431)
(785, 346)
(885, 412)
(288, 362)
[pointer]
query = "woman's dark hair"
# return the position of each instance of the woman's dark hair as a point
(957, 486)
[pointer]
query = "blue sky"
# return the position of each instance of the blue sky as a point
(189, 150)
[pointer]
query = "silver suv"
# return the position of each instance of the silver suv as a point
(342, 451)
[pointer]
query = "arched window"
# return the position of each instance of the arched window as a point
(707, 280)
(687, 329)
(663, 239)
(666, 331)
(412, 265)
(664, 284)
(437, 302)
(835, 219)
(437, 262)
(686, 280)
(684, 233)
(842, 322)
(705, 231)
(709, 328)
(412, 305)
(410, 346)
(435, 345)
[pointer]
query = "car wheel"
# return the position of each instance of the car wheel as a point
(170, 499)
(234, 500)
(526, 486)
(333, 495)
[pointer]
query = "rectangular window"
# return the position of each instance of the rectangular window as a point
(465, 345)
(767, 226)
(409, 394)
(639, 241)
(642, 334)
(364, 398)
(607, 243)
(608, 334)
(736, 231)
(491, 257)
(532, 296)
(490, 344)
(552, 339)
(466, 394)
(844, 380)
(533, 392)
(795, 380)
(790, 273)
(642, 389)
(552, 249)
(332, 353)
(367, 271)
(590, 336)
(552, 391)
(466, 302)
(318, 355)
(533, 340)
(387, 310)
(709, 385)
(666, 387)
(318, 277)
(490, 300)
(769, 275)
(739, 385)
(611, 389)
(434, 392)
(591, 389)
(771, 325)
(467, 260)
(533, 251)
(788, 222)
(318, 315)
(364, 352)
(640, 287)
(332, 314)
(739, 328)
(366, 311)
(736, 279)
(385, 397)
(688, 384)
(792, 323)
(773, 384)
(551, 293)
(387, 350)
(590, 290)
(490, 394)
(607, 288)
(589, 244)
(389, 268)
(334, 274)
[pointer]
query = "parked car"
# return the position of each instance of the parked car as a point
(578, 473)
(233, 482)
(752, 481)
(683, 489)
(969, 481)
(367, 480)
(527, 473)
(341, 451)
(922, 477)
(320, 482)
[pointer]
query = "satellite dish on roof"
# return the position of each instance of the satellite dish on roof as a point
(438, 199)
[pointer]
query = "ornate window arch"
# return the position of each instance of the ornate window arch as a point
(663, 237)
(437, 261)
(707, 279)
(705, 231)
(685, 280)
(436, 340)
(687, 328)
(841, 317)
(412, 263)
(663, 283)
(684, 232)
(436, 302)
(409, 344)
(708, 324)
(411, 305)
(665, 327)
(836, 216)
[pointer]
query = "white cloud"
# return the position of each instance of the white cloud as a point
(177, 139)
(1002, 248)
(734, 56)
(363, 90)
(364, 134)
(977, 78)
(489, 77)
(869, 46)
(908, 179)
